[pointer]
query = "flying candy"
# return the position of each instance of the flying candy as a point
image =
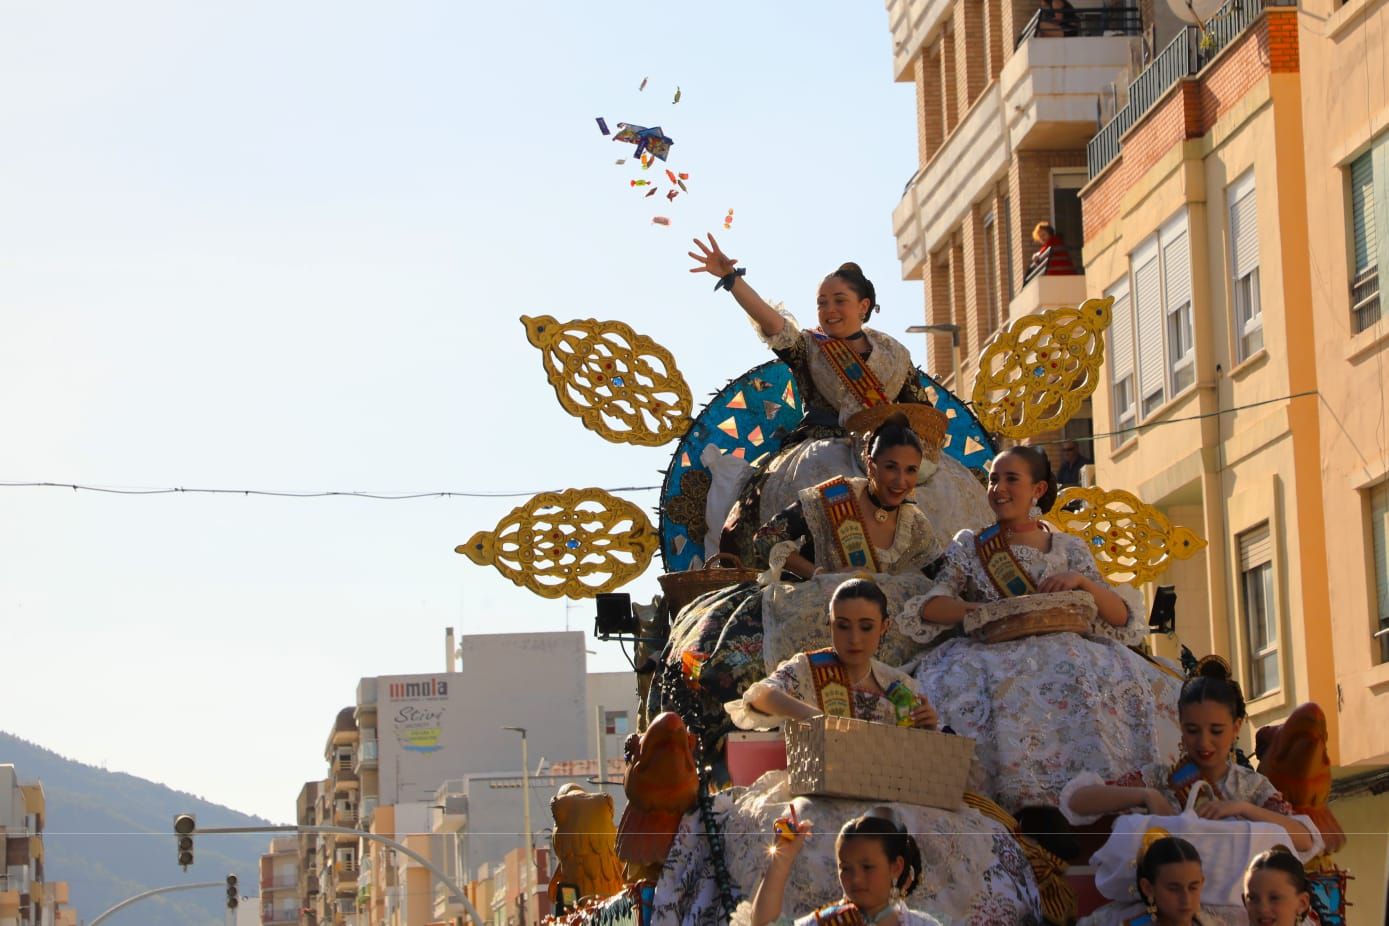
(640, 182)
(659, 220)
(603, 126)
(681, 185)
(620, 161)
(672, 194)
(651, 192)
(728, 219)
(684, 176)
(643, 84)
(671, 174)
(677, 97)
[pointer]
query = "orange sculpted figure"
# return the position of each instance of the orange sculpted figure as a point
(585, 841)
(662, 784)
(1293, 756)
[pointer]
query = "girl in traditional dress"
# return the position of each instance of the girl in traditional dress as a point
(841, 368)
(1169, 883)
(843, 680)
(879, 866)
(1276, 891)
(841, 525)
(1212, 711)
(1042, 709)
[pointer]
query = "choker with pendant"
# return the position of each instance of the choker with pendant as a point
(883, 510)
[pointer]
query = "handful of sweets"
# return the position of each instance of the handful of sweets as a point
(840, 914)
(904, 700)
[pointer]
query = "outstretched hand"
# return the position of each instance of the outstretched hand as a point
(711, 259)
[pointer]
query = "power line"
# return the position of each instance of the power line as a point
(380, 496)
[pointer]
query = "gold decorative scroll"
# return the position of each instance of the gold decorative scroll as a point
(620, 384)
(573, 544)
(1131, 541)
(1037, 371)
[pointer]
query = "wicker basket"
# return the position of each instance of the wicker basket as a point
(1031, 615)
(928, 422)
(842, 757)
(683, 587)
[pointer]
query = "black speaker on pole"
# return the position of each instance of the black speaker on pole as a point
(614, 616)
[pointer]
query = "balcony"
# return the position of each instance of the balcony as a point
(366, 755)
(1047, 292)
(279, 883)
(368, 811)
(345, 816)
(1051, 83)
(269, 915)
(1185, 56)
(912, 22)
(937, 199)
(1108, 21)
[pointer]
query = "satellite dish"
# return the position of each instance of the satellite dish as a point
(1195, 12)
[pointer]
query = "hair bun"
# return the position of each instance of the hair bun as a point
(884, 812)
(850, 267)
(1213, 666)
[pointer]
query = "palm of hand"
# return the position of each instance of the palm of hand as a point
(712, 259)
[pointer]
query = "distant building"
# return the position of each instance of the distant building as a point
(26, 899)
(279, 883)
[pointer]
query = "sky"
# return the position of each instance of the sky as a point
(286, 246)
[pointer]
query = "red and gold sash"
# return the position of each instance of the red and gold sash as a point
(832, 690)
(862, 382)
(1001, 566)
(846, 526)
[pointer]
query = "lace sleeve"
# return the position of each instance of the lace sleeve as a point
(951, 573)
(786, 677)
(787, 524)
(1135, 629)
(783, 340)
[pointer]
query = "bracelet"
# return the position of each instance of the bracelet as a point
(726, 282)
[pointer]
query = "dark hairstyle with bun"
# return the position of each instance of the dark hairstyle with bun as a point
(852, 275)
(1213, 681)
(1164, 851)
(1039, 468)
(866, 589)
(1280, 858)
(881, 824)
(895, 431)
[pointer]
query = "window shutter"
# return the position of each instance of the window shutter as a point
(1176, 271)
(1148, 302)
(1244, 234)
(1255, 548)
(1362, 211)
(1121, 335)
(1379, 254)
(1379, 528)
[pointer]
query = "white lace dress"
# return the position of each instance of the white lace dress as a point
(1044, 709)
(1120, 914)
(974, 872)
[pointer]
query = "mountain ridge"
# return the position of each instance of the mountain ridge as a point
(110, 836)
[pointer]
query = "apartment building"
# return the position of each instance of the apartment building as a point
(1345, 93)
(310, 890)
(339, 854)
(1006, 103)
(26, 898)
(280, 872)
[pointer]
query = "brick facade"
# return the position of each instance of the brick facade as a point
(1191, 108)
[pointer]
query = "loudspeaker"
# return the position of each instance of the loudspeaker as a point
(614, 615)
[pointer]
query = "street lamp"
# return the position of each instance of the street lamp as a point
(528, 844)
(953, 330)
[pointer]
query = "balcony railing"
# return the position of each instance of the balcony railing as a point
(1364, 299)
(1184, 56)
(1124, 20)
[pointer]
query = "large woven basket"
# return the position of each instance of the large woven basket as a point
(683, 587)
(1031, 616)
(842, 757)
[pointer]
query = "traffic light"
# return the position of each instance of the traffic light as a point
(184, 825)
(233, 896)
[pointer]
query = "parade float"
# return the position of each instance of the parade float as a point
(691, 845)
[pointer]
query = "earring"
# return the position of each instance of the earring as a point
(1035, 512)
(1152, 907)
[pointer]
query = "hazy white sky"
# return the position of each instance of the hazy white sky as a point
(285, 246)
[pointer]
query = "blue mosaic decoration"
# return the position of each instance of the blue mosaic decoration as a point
(748, 418)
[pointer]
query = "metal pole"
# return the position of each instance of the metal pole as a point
(527, 847)
(454, 889)
(158, 890)
(601, 731)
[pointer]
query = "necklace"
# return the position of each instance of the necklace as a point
(858, 683)
(1027, 527)
(883, 510)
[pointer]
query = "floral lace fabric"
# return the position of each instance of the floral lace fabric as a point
(975, 874)
(1120, 913)
(1118, 711)
(1239, 784)
(794, 677)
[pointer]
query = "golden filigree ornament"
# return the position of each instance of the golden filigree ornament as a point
(1037, 371)
(573, 544)
(1131, 541)
(620, 384)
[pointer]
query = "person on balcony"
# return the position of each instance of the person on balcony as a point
(1052, 257)
(1058, 18)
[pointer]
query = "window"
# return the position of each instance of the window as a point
(1152, 343)
(1065, 209)
(1379, 543)
(615, 723)
(1368, 227)
(1244, 269)
(1121, 357)
(1258, 612)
